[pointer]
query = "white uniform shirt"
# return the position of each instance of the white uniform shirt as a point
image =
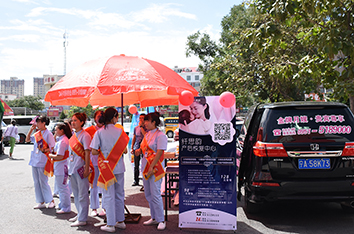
(60, 147)
(38, 159)
(104, 139)
(11, 131)
(75, 161)
(155, 141)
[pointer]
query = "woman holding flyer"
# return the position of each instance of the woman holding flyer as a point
(79, 168)
(42, 165)
(60, 157)
(109, 143)
(152, 147)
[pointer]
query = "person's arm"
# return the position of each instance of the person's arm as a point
(158, 155)
(87, 163)
(133, 142)
(95, 152)
(28, 137)
(56, 157)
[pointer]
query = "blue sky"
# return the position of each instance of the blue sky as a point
(31, 32)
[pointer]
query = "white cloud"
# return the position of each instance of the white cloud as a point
(160, 13)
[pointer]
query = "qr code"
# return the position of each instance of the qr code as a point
(222, 131)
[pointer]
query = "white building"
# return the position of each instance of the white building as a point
(38, 87)
(8, 96)
(13, 86)
(191, 74)
(48, 82)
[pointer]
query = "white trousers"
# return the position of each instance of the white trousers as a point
(113, 201)
(80, 188)
(152, 192)
(41, 187)
(63, 192)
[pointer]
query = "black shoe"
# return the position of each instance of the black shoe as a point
(135, 184)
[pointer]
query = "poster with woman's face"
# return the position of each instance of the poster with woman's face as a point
(206, 116)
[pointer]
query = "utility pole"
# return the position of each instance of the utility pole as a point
(65, 44)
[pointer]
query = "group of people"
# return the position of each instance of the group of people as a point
(81, 157)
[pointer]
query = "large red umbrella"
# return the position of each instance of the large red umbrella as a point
(119, 80)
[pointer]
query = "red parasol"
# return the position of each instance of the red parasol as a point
(104, 82)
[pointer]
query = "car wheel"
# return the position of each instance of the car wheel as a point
(169, 134)
(22, 139)
(347, 208)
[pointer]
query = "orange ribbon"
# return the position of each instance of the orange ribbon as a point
(79, 150)
(158, 169)
(106, 165)
(49, 166)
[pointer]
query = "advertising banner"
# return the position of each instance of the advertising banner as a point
(207, 165)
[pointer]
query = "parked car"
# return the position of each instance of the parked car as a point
(298, 151)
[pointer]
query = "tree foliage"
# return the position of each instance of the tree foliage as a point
(88, 110)
(31, 102)
(278, 50)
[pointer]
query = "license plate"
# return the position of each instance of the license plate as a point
(315, 163)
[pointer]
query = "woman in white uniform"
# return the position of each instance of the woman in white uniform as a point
(60, 157)
(152, 147)
(94, 197)
(42, 167)
(79, 168)
(110, 143)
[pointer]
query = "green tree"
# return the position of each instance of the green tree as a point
(88, 110)
(31, 102)
(217, 77)
(62, 115)
(324, 28)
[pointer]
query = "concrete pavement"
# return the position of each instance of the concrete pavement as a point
(17, 200)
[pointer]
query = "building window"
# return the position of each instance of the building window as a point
(189, 78)
(196, 77)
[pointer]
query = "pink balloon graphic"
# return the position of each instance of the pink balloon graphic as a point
(227, 99)
(186, 98)
(132, 109)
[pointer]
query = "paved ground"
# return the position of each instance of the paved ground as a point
(17, 201)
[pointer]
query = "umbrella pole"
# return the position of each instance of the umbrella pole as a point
(121, 99)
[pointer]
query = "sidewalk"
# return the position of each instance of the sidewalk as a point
(17, 201)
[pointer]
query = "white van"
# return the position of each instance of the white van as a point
(22, 123)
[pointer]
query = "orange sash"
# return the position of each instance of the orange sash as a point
(91, 130)
(66, 155)
(106, 165)
(49, 166)
(79, 150)
(159, 171)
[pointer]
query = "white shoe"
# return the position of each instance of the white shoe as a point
(51, 205)
(62, 212)
(161, 226)
(94, 213)
(107, 228)
(150, 222)
(120, 225)
(39, 206)
(78, 223)
(73, 219)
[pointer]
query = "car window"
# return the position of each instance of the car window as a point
(304, 125)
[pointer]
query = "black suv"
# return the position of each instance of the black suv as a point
(298, 151)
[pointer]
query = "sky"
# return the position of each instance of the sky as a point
(32, 43)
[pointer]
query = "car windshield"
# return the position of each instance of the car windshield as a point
(305, 124)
